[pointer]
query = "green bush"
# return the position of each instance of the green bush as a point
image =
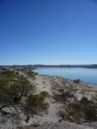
(44, 93)
(4, 92)
(75, 113)
(94, 97)
(63, 94)
(30, 74)
(9, 74)
(83, 110)
(36, 102)
(90, 113)
(11, 90)
(43, 82)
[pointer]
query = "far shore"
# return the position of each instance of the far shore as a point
(50, 66)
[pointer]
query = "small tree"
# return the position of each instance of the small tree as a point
(11, 91)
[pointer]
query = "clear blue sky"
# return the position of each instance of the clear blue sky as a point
(48, 32)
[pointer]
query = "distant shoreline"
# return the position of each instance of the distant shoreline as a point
(49, 66)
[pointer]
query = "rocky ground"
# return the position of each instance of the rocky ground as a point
(50, 119)
(63, 125)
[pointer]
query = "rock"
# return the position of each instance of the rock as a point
(8, 123)
(9, 110)
(23, 116)
(77, 81)
(36, 120)
(91, 124)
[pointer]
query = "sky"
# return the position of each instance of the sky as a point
(48, 32)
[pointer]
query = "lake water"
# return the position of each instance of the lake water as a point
(84, 74)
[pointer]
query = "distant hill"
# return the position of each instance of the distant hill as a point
(48, 66)
(66, 66)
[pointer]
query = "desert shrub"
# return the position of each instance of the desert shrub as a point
(75, 113)
(75, 105)
(36, 102)
(8, 74)
(11, 90)
(64, 93)
(4, 92)
(94, 97)
(90, 113)
(35, 73)
(43, 82)
(83, 110)
(29, 73)
(89, 109)
(25, 86)
(84, 100)
(44, 93)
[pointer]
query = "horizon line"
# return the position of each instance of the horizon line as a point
(43, 64)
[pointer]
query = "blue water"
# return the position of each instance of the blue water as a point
(84, 74)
